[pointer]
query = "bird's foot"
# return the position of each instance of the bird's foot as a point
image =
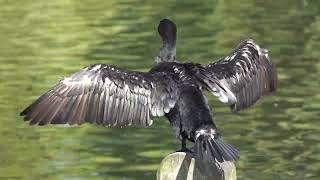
(186, 150)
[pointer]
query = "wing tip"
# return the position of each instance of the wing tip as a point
(26, 110)
(249, 40)
(23, 113)
(273, 77)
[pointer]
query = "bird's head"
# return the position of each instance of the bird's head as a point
(167, 30)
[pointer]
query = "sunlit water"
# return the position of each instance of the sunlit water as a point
(42, 41)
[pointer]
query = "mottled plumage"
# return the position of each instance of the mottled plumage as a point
(109, 96)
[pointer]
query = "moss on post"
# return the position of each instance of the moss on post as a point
(181, 166)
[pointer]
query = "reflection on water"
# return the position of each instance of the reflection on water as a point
(42, 41)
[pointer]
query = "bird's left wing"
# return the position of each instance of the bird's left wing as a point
(105, 95)
(240, 78)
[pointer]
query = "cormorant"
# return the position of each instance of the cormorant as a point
(106, 95)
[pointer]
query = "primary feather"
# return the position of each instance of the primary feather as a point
(240, 78)
(105, 95)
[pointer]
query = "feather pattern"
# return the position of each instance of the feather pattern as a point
(107, 96)
(241, 78)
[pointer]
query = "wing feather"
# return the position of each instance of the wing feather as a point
(241, 78)
(105, 95)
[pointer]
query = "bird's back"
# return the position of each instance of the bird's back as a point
(191, 110)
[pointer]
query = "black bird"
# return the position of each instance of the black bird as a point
(109, 96)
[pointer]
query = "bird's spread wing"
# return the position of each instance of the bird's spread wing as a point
(105, 95)
(242, 77)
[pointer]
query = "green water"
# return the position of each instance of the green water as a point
(42, 41)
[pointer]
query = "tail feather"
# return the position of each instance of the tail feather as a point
(227, 150)
(214, 149)
(210, 149)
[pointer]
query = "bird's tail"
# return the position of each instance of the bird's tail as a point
(210, 149)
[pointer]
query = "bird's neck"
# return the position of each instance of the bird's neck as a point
(167, 54)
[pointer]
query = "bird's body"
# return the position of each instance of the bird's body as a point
(191, 110)
(109, 96)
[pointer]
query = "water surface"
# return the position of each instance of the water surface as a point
(43, 41)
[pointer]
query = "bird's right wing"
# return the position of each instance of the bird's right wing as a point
(240, 78)
(107, 96)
